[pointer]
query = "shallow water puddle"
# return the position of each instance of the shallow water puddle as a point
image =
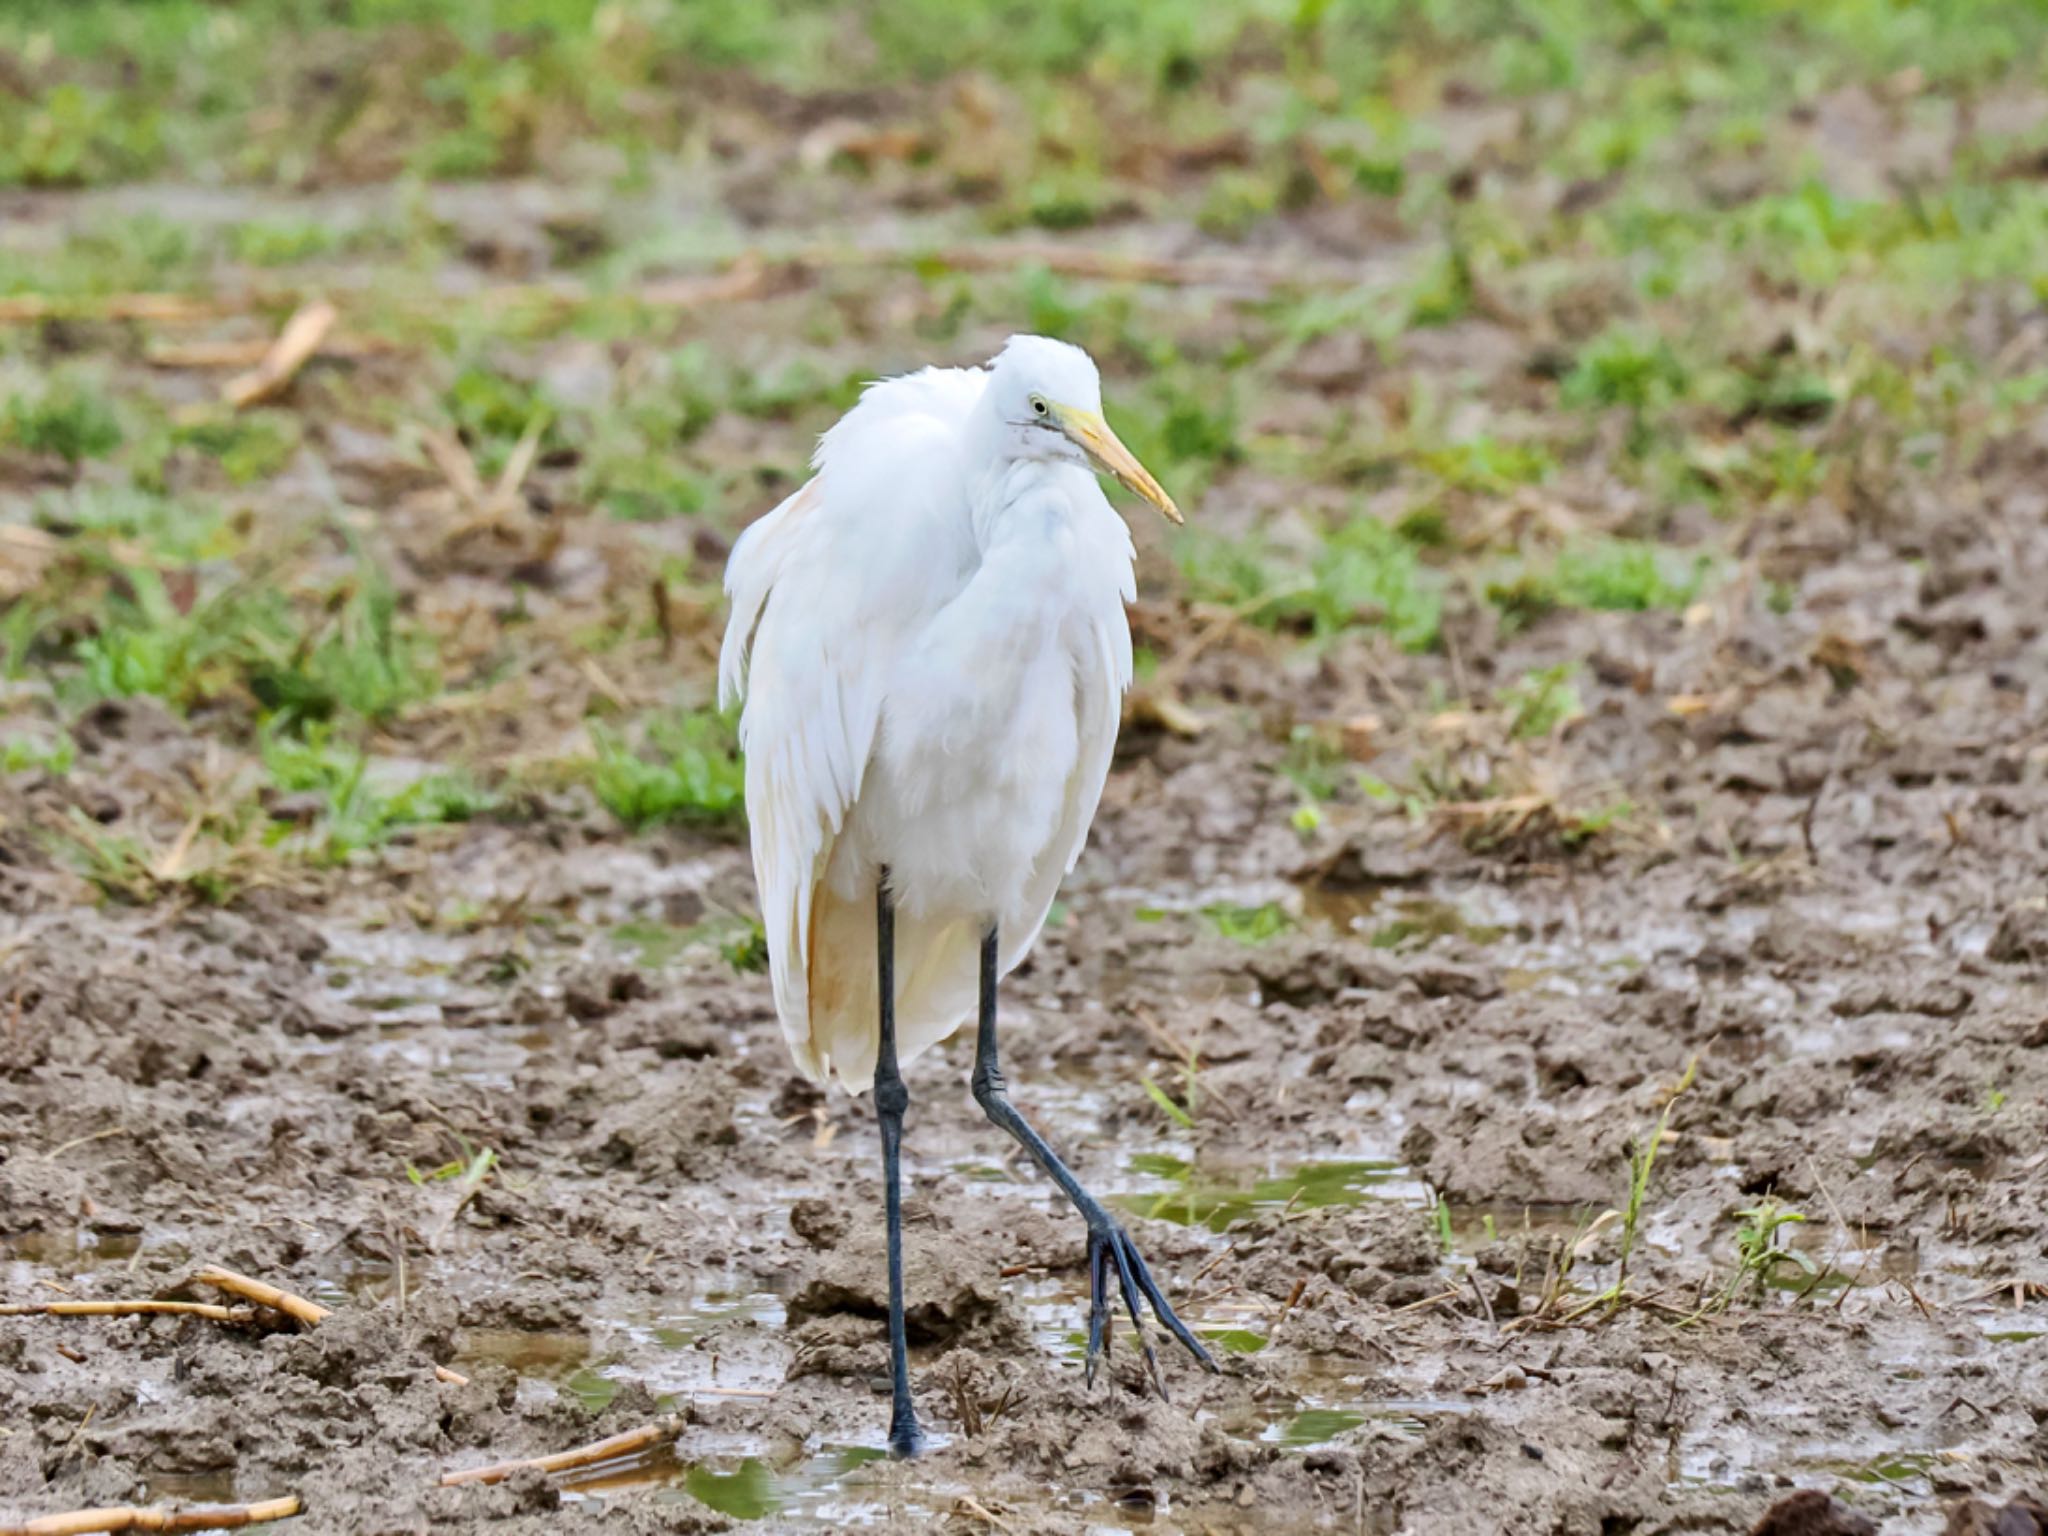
(406, 981)
(548, 1362)
(1194, 1194)
(74, 1250)
(683, 1328)
(1912, 1472)
(1389, 921)
(27, 1258)
(821, 1484)
(827, 1487)
(653, 944)
(692, 1347)
(215, 1486)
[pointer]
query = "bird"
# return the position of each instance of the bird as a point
(931, 641)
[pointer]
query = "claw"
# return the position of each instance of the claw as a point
(1112, 1245)
(1098, 1304)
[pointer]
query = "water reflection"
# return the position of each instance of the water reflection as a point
(816, 1483)
(1216, 1199)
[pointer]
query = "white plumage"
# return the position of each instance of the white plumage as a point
(931, 639)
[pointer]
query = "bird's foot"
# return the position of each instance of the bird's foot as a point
(906, 1438)
(1111, 1251)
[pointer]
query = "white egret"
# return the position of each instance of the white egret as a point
(931, 640)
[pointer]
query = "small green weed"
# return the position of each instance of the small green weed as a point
(67, 417)
(1758, 1252)
(1625, 367)
(1165, 1104)
(213, 861)
(1625, 575)
(360, 660)
(23, 754)
(1314, 763)
(282, 242)
(1642, 1162)
(248, 447)
(746, 952)
(1361, 573)
(183, 650)
(1248, 925)
(357, 813)
(1542, 702)
(690, 772)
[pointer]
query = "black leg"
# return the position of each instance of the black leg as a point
(891, 1099)
(1110, 1249)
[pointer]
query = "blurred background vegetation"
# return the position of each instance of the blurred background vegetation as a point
(1450, 321)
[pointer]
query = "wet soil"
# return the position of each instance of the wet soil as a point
(1383, 1200)
(675, 1218)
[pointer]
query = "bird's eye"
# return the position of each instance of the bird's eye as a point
(1038, 405)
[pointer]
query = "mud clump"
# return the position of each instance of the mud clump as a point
(943, 1305)
(680, 1126)
(1811, 1513)
(2023, 1516)
(2022, 935)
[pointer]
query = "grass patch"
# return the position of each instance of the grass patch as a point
(1361, 574)
(1248, 925)
(38, 754)
(1610, 575)
(213, 860)
(182, 649)
(1542, 702)
(687, 772)
(353, 658)
(66, 417)
(355, 812)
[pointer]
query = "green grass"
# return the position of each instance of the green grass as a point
(246, 447)
(1759, 1249)
(181, 648)
(360, 660)
(34, 753)
(687, 771)
(125, 868)
(1642, 1164)
(1609, 575)
(1540, 703)
(1248, 925)
(1361, 573)
(247, 641)
(67, 417)
(356, 812)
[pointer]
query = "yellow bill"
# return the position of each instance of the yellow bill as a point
(1113, 458)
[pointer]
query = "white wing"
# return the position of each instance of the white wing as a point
(1101, 648)
(938, 953)
(824, 590)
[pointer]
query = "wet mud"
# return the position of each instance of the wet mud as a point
(1382, 1199)
(501, 1101)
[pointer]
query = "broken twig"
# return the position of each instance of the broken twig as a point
(297, 1307)
(293, 349)
(209, 1517)
(665, 1428)
(210, 1309)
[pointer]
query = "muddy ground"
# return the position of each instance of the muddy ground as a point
(677, 1218)
(1778, 872)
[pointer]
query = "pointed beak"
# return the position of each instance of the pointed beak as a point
(1112, 458)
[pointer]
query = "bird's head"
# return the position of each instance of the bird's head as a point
(1049, 398)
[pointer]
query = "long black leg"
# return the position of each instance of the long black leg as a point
(891, 1099)
(1110, 1250)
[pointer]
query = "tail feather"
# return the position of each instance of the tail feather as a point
(937, 971)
